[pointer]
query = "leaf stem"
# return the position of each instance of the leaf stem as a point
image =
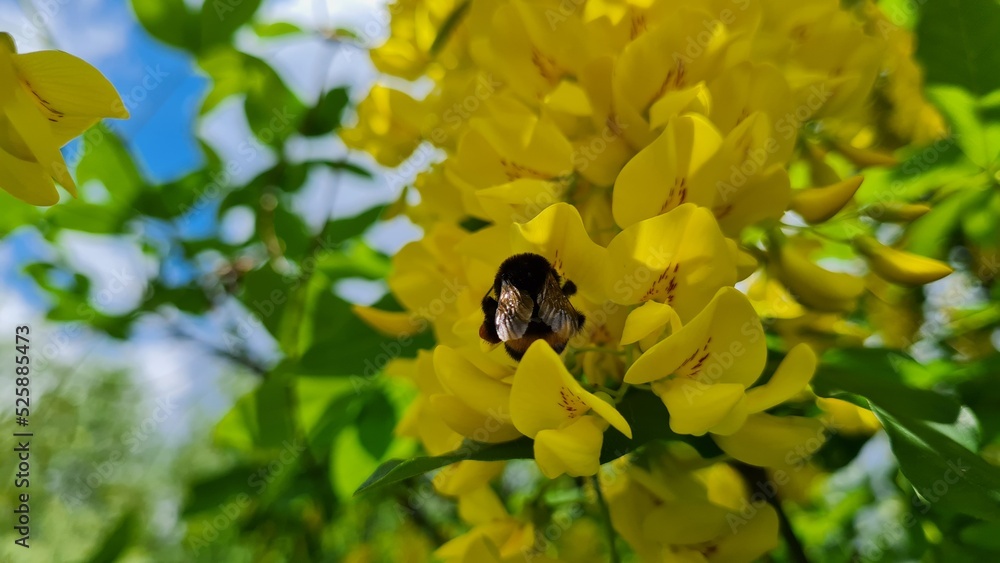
(608, 528)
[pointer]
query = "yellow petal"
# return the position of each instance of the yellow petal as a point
(864, 158)
(764, 196)
(546, 396)
(723, 344)
(814, 286)
(471, 423)
(574, 450)
(520, 200)
(478, 390)
(896, 212)
(685, 523)
(788, 380)
(898, 266)
(466, 476)
(679, 166)
(392, 323)
(69, 87)
(816, 205)
(649, 318)
(750, 538)
(26, 181)
(774, 441)
(480, 505)
(695, 99)
(695, 408)
(569, 97)
(679, 258)
(558, 234)
(36, 133)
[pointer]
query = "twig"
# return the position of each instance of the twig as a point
(754, 475)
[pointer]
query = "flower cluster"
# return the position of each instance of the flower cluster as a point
(47, 98)
(647, 150)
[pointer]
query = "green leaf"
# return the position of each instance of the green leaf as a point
(973, 123)
(956, 43)
(397, 470)
(117, 541)
(276, 29)
(934, 233)
(980, 223)
(273, 111)
(325, 117)
(260, 419)
(875, 374)
(169, 21)
(340, 230)
(221, 18)
(650, 422)
(291, 231)
(266, 294)
(325, 407)
(985, 535)
(210, 493)
(376, 423)
(356, 260)
(225, 66)
(942, 470)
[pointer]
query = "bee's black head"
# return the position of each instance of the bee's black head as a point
(526, 272)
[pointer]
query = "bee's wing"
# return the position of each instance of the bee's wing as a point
(513, 312)
(554, 307)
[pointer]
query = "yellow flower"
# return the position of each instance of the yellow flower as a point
(558, 234)
(675, 513)
(495, 535)
(679, 258)
(46, 99)
(812, 285)
(566, 421)
(390, 126)
(681, 165)
(701, 372)
(476, 403)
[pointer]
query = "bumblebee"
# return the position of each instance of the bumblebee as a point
(529, 302)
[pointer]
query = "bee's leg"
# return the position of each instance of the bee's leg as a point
(580, 319)
(569, 288)
(488, 331)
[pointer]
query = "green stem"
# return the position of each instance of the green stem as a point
(609, 529)
(620, 394)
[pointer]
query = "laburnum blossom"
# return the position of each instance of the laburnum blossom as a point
(673, 510)
(675, 164)
(47, 98)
